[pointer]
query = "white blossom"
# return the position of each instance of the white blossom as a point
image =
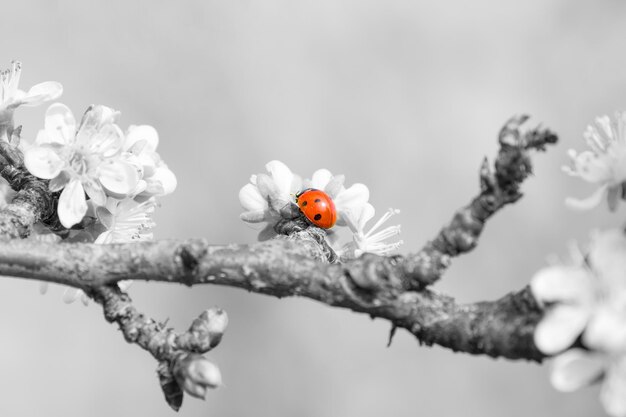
(83, 160)
(604, 164)
(587, 300)
(11, 97)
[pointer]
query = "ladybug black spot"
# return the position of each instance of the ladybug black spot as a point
(317, 200)
(317, 216)
(304, 204)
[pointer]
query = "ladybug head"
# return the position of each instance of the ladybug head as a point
(299, 193)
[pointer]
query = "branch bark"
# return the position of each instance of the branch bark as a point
(371, 284)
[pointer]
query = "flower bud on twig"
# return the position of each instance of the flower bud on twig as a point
(195, 374)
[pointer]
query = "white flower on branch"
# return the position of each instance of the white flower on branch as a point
(372, 241)
(604, 164)
(587, 298)
(587, 301)
(83, 160)
(11, 97)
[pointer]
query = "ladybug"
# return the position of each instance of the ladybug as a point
(317, 207)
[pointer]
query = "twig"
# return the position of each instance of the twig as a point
(499, 188)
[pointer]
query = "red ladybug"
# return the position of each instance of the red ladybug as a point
(318, 207)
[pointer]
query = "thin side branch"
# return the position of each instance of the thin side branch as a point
(172, 350)
(499, 186)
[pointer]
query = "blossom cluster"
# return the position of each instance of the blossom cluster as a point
(604, 164)
(585, 300)
(108, 179)
(268, 194)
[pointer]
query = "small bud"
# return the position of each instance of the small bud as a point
(210, 326)
(193, 389)
(217, 323)
(195, 374)
(205, 373)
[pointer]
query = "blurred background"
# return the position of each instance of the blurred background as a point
(406, 97)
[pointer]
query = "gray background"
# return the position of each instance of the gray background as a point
(406, 97)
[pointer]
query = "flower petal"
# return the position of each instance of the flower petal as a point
(321, 178)
(351, 199)
(59, 182)
(588, 203)
(295, 188)
(251, 199)
(590, 167)
(166, 178)
(142, 133)
(367, 213)
(562, 283)
(255, 216)
(357, 218)
(72, 204)
(268, 188)
(106, 142)
(560, 327)
(575, 369)
(95, 193)
(606, 330)
(59, 125)
(613, 393)
(104, 215)
(148, 162)
(104, 238)
(43, 161)
(282, 177)
(118, 178)
(94, 118)
(354, 197)
(335, 186)
(42, 92)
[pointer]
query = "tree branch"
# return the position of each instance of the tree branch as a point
(370, 284)
(392, 288)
